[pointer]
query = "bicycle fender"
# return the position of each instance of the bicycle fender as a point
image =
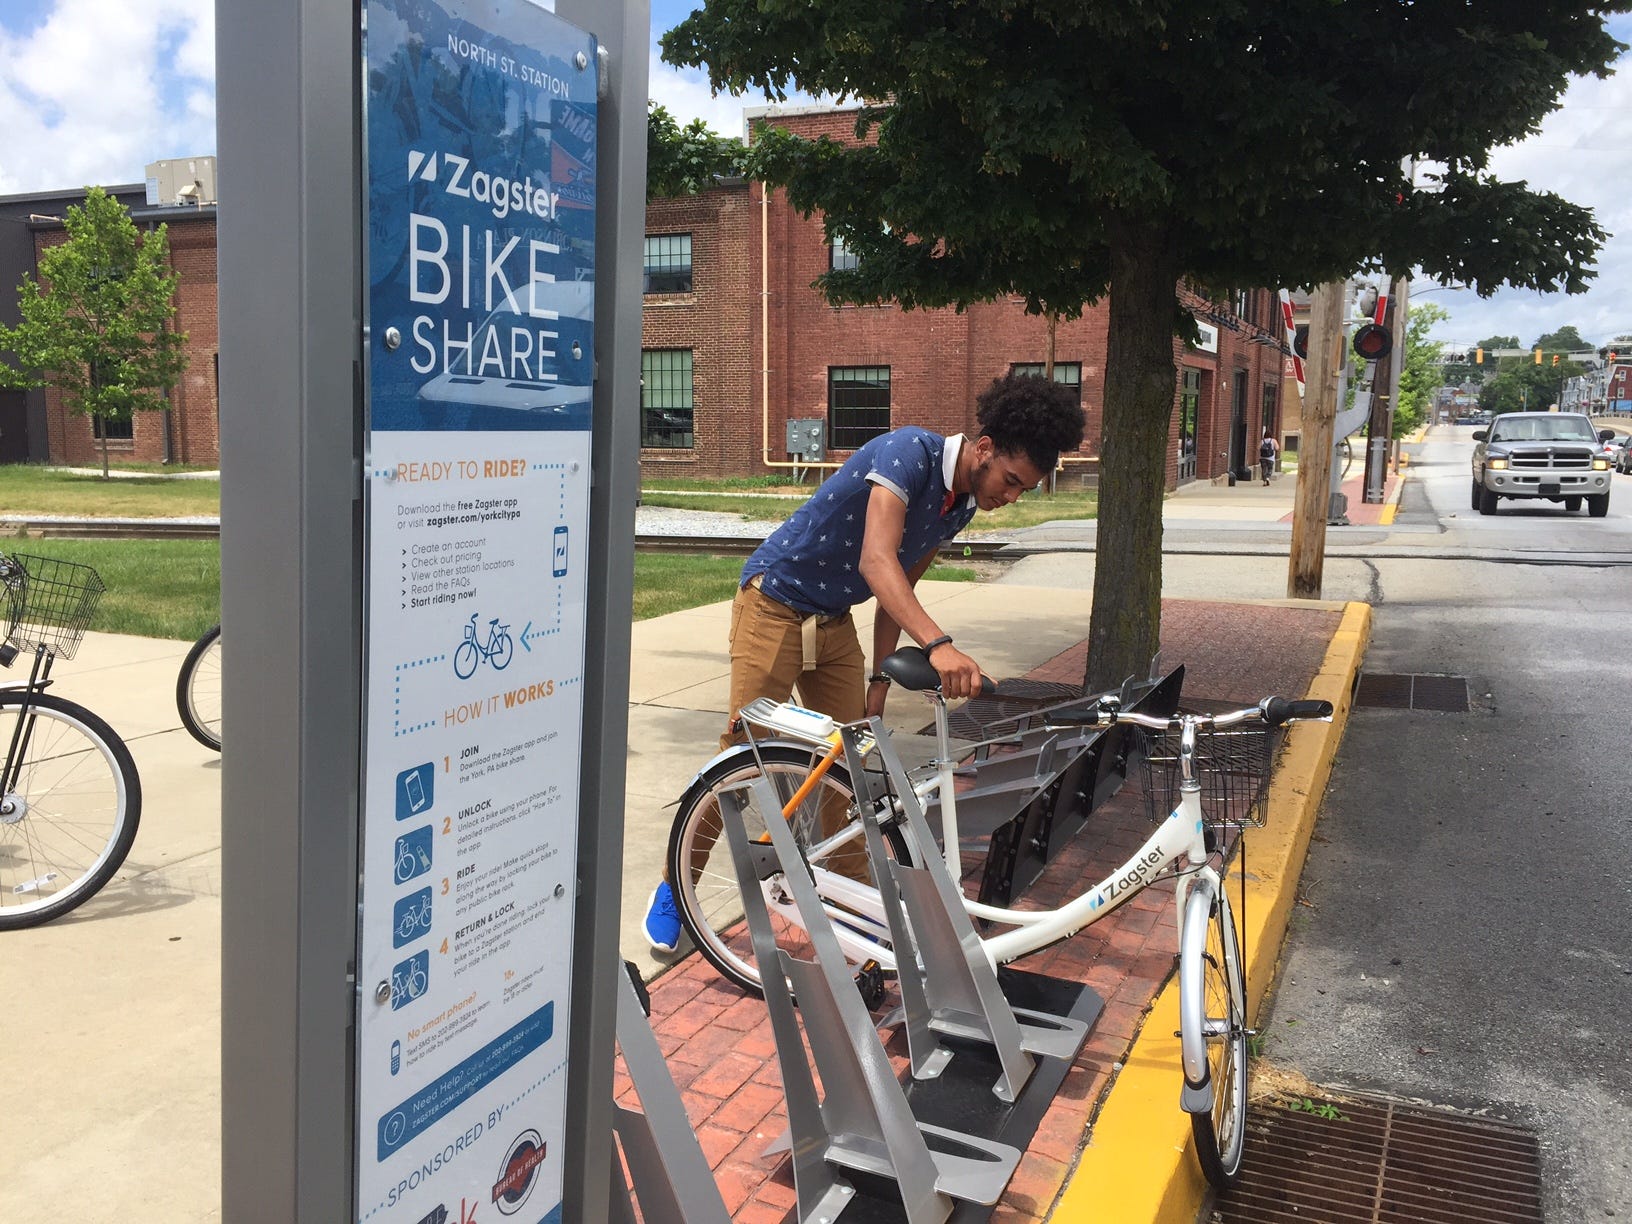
(698, 784)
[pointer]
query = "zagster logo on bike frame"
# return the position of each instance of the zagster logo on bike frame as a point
(518, 1172)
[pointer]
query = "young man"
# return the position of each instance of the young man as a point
(872, 530)
(1267, 450)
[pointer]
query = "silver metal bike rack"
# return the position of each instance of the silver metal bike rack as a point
(861, 1121)
(668, 1173)
(948, 985)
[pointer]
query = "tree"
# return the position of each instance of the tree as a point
(1421, 374)
(1067, 152)
(685, 160)
(1524, 386)
(96, 323)
(1565, 340)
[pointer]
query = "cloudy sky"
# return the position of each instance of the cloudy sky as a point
(93, 90)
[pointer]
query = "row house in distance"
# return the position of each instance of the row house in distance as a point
(741, 357)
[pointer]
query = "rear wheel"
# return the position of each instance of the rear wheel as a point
(1598, 505)
(198, 689)
(1213, 1032)
(703, 875)
(69, 814)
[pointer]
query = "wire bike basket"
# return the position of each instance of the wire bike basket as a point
(1233, 767)
(48, 604)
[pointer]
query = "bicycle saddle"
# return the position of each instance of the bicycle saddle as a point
(910, 668)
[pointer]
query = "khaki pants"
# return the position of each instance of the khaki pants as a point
(768, 660)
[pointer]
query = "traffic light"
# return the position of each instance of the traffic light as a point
(1538, 356)
(1372, 342)
(1479, 356)
(1612, 355)
(1555, 359)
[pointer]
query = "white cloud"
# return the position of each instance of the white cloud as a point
(85, 92)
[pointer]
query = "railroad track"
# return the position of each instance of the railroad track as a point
(136, 529)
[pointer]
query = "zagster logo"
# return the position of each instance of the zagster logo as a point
(518, 1172)
(504, 195)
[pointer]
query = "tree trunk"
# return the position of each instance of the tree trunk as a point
(1125, 629)
(1307, 559)
(104, 450)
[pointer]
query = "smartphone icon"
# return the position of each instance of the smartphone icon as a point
(560, 569)
(416, 792)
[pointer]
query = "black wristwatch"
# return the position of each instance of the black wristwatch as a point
(878, 678)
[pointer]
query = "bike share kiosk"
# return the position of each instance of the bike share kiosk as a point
(430, 319)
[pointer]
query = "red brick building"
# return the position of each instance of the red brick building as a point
(737, 344)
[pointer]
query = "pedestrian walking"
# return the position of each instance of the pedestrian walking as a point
(1267, 451)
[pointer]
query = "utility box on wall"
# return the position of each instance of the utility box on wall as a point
(807, 440)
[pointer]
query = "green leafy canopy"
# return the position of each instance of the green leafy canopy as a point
(686, 160)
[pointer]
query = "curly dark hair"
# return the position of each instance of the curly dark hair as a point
(1025, 414)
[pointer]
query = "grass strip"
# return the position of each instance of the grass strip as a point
(28, 489)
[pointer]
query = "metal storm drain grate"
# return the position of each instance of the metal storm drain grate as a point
(1374, 1161)
(1413, 691)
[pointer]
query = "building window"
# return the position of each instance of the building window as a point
(668, 263)
(113, 431)
(840, 258)
(665, 398)
(1068, 373)
(858, 405)
(1243, 305)
(1189, 410)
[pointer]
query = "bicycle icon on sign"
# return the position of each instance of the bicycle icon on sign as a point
(409, 979)
(500, 649)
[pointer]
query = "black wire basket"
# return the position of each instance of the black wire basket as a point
(48, 603)
(1233, 767)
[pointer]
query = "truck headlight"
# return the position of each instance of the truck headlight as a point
(1495, 465)
(1600, 465)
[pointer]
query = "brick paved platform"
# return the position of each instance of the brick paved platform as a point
(718, 1040)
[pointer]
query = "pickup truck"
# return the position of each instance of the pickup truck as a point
(1553, 455)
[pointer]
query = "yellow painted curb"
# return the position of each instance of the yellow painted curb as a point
(1138, 1165)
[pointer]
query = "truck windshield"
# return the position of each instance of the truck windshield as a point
(1543, 429)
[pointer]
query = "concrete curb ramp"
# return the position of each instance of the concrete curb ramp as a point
(1138, 1164)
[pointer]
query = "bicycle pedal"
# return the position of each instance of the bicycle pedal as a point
(870, 982)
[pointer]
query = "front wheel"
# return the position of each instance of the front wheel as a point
(69, 813)
(198, 689)
(465, 659)
(1213, 1033)
(703, 875)
(1487, 501)
(1598, 505)
(503, 650)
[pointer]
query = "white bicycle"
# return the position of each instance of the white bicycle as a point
(1204, 773)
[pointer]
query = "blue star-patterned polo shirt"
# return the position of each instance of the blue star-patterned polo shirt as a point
(812, 563)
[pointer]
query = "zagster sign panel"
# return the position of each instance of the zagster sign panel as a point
(480, 122)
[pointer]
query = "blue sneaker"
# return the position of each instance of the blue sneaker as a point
(662, 924)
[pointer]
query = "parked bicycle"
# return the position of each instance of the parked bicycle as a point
(1203, 774)
(70, 799)
(198, 689)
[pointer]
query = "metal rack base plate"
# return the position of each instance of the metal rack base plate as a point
(961, 1097)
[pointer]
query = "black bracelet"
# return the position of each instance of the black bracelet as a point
(878, 678)
(944, 640)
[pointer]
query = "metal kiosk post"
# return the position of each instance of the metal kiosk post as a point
(428, 493)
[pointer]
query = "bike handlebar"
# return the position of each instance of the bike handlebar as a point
(1275, 711)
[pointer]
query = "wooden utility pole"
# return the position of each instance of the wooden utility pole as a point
(1312, 504)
